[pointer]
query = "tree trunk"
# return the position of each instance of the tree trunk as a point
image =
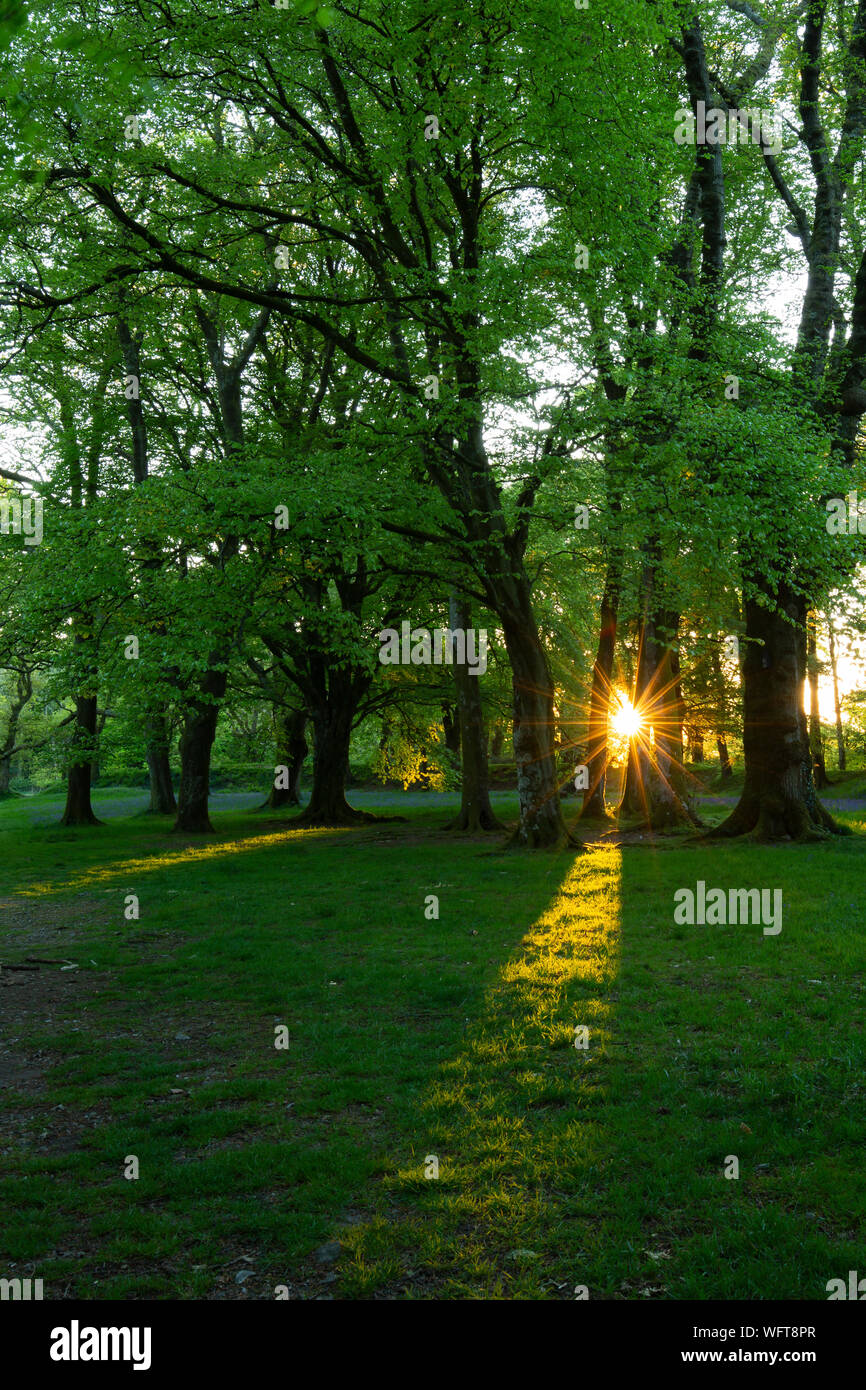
(696, 745)
(24, 692)
(476, 813)
(655, 784)
(599, 705)
(102, 720)
(332, 728)
(196, 744)
(725, 768)
(778, 798)
(162, 799)
(496, 741)
(291, 753)
(451, 729)
(816, 742)
(840, 732)
(78, 808)
(669, 802)
(541, 822)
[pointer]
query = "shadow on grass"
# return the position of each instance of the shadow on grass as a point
(245, 1149)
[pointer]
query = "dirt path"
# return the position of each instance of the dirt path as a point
(48, 812)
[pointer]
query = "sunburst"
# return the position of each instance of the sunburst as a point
(625, 720)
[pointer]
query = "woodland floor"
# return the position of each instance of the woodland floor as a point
(304, 1169)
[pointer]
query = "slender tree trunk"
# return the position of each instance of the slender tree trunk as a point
(496, 741)
(101, 722)
(631, 798)
(840, 732)
(162, 799)
(78, 808)
(196, 745)
(669, 801)
(500, 568)
(200, 725)
(725, 768)
(778, 798)
(816, 742)
(476, 813)
(24, 692)
(655, 784)
(696, 745)
(599, 705)
(291, 753)
(451, 729)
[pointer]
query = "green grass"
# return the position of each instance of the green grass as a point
(409, 1038)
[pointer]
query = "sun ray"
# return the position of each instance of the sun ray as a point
(626, 720)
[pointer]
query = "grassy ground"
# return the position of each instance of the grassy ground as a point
(413, 1038)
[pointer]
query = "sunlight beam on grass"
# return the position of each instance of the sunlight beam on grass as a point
(518, 1102)
(190, 854)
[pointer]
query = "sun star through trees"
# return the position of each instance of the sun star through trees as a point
(625, 720)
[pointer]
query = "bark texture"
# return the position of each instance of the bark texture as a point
(476, 813)
(196, 745)
(816, 742)
(78, 808)
(778, 799)
(599, 703)
(162, 798)
(291, 753)
(837, 706)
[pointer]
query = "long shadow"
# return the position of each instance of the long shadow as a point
(243, 1147)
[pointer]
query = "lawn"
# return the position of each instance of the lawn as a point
(418, 1043)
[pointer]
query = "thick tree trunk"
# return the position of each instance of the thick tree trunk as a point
(332, 729)
(816, 742)
(696, 745)
(476, 813)
(778, 798)
(162, 799)
(840, 732)
(599, 704)
(78, 808)
(541, 822)
(291, 753)
(196, 744)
